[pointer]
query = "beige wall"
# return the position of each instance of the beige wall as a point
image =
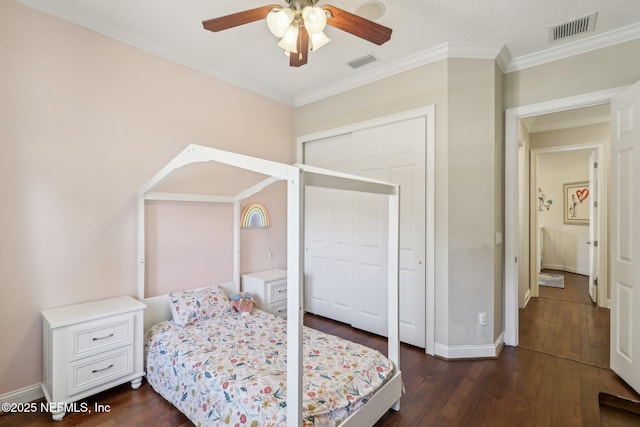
(602, 69)
(591, 134)
(474, 147)
(85, 121)
(468, 144)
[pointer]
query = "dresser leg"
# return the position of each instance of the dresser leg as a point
(135, 384)
(58, 416)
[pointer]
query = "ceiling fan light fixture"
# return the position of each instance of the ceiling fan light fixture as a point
(315, 19)
(318, 40)
(279, 20)
(300, 25)
(371, 9)
(289, 40)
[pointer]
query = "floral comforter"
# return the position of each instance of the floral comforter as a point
(232, 371)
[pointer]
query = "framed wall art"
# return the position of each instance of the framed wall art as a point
(576, 203)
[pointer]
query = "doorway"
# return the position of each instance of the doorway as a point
(512, 220)
(560, 318)
(566, 238)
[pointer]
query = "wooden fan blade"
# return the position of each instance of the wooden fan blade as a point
(236, 19)
(300, 58)
(358, 26)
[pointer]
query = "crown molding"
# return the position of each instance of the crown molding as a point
(456, 50)
(372, 75)
(500, 54)
(599, 41)
(443, 51)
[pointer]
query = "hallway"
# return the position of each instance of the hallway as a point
(564, 323)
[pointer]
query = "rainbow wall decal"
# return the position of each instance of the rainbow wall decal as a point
(254, 215)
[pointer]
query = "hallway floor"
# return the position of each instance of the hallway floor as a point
(565, 323)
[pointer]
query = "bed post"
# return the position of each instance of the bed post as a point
(295, 297)
(236, 244)
(141, 247)
(393, 282)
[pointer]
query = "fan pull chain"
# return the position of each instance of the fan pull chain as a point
(299, 41)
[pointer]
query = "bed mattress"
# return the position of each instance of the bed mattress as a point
(231, 370)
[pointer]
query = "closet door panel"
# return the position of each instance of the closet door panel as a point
(396, 153)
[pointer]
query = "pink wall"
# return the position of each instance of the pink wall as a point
(85, 121)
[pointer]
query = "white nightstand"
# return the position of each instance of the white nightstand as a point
(269, 290)
(91, 347)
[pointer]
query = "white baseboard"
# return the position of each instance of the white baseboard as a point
(23, 395)
(568, 269)
(527, 297)
(470, 351)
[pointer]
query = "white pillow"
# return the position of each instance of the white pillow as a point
(192, 306)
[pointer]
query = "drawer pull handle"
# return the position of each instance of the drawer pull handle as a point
(103, 338)
(282, 291)
(95, 371)
(282, 310)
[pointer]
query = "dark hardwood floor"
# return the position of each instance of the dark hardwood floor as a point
(576, 288)
(521, 387)
(565, 323)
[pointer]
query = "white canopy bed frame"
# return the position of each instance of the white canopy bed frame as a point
(297, 177)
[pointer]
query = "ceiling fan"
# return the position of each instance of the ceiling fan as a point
(300, 25)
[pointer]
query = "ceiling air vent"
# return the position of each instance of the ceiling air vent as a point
(573, 27)
(361, 62)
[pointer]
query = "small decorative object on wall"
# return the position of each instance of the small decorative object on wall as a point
(576, 203)
(254, 215)
(543, 203)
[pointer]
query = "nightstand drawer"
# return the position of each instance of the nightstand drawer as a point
(269, 290)
(278, 291)
(100, 336)
(279, 309)
(92, 372)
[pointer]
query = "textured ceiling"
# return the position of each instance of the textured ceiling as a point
(248, 55)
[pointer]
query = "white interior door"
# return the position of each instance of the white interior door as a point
(594, 226)
(345, 246)
(625, 236)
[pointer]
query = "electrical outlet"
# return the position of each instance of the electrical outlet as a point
(482, 319)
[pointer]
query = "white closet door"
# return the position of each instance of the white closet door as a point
(346, 241)
(329, 219)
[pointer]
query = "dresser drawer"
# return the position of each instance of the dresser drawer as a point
(100, 336)
(278, 291)
(94, 371)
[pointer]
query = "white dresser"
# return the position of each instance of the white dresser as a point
(91, 347)
(269, 290)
